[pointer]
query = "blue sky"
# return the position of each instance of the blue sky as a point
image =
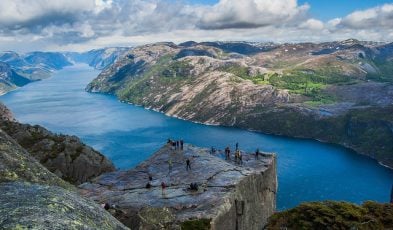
(82, 25)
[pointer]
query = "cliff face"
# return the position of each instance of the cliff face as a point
(229, 195)
(297, 90)
(33, 197)
(66, 156)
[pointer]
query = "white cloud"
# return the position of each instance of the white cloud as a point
(312, 24)
(77, 24)
(251, 13)
(377, 17)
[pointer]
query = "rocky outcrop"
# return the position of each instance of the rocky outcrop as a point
(33, 206)
(17, 165)
(31, 197)
(229, 195)
(5, 113)
(302, 90)
(334, 215)
(66, 156)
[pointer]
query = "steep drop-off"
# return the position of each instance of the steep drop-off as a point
(229, 196)
(66, 156)
(301, 90)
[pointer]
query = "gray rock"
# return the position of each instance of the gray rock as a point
(230, 195)
(33, 206)
(64, 155)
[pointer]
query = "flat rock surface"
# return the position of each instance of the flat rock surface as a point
(215, 176)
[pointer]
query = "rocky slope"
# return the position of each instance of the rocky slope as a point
(9, 79)
(334, 215)
(229, 195)
(98, 58)
(66, 156)
(303, 90)
(17, 70)
(31, 197)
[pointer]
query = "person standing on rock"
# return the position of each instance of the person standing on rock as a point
(177, 144)
(257, 154)
(188, 164)
(240, 158)
(237, 146)
(227, 153)
(170, 165)
(163, 186)
(181, 144)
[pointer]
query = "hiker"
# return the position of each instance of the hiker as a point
(212, 150)
(148, 185)
(188, 166)
(237, 146)
(177, 144)
(257, 154)
(181, 144)
(170, 165)
(237, 155)
(107, 206)
(240, 156)
(173, 145)
(227, 153)
(194, 186)
(163, 186)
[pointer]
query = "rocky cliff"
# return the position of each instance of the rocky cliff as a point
(303, 90)
(31, 197)
(230, 195)
(66, 156)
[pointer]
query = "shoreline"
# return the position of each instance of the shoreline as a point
(255, 131)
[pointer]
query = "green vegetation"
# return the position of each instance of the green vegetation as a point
(200, 224)
(309, 83)
(167, 72)
(385, 73)
(334, 215)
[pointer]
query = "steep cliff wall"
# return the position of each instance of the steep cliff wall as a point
(229, 195)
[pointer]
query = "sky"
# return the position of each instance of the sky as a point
(76, 25)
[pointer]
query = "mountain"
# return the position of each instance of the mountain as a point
(338, 92)
(17, 70)
(98, 58)
(9, 79)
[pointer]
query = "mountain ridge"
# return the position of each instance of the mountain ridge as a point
(302, 90)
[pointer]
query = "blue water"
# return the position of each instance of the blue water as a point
(307, 170)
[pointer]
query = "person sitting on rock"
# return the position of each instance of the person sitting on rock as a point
(194, 186)
(188, 164)
(148, 185)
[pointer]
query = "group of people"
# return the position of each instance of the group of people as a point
(179, 144)
(176, 145)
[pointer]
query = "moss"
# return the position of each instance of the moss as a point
(334, 215)
(199, 224)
